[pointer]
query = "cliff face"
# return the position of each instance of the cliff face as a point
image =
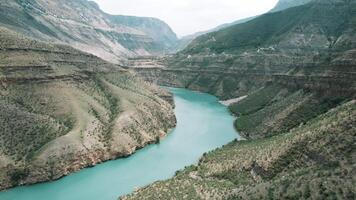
(82, 25)
(62, 110)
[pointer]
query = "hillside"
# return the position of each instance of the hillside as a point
(298, 43)
(275, 31)
(296, 70)
(314, 161)
(62, 110)
(82, 25)
(281, 5)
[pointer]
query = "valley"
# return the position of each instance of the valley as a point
(296, 75)
(207, 125)
(79, 87)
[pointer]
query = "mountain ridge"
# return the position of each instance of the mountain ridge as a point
(84, 26)
(281, 5)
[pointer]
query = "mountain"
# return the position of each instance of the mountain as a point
(297, 41)
(82, 25)
(281, 5)
(296, 72)
(186, 40)
(62, 110)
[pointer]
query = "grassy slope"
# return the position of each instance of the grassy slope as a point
(274, 109)
(315, 161)
(62, 110)
(273, 27)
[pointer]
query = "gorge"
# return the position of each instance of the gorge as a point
(79, 87)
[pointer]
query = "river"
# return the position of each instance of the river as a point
(203, 125)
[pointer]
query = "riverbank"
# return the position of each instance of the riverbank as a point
(202, 125)
(314, 160)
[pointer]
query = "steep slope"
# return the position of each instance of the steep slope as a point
(62, 110)
(314, 161)
(275, 32)
(281, 5)
(296, 72)
(81, 24)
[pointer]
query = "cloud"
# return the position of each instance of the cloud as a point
(189, 16)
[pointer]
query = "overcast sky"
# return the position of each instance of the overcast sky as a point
(189, 16)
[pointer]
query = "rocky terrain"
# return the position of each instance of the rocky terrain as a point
(82, 25)
(62, 110)
(296, 72)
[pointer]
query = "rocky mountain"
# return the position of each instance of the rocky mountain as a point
(82, 25)
(296, 72)
(62, 110)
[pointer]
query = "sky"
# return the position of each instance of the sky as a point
(189, 16)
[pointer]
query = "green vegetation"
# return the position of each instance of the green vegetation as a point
(60, 107)
(297, 69)
(273, 110)
(312, 161)
(272, 27)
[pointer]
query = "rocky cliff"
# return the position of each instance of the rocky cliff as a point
(82, 25)
(62, 110)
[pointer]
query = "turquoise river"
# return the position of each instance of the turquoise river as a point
(203, 125)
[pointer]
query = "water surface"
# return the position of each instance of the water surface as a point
(203, 125)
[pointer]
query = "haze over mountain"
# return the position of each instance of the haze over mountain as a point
(189, 16)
